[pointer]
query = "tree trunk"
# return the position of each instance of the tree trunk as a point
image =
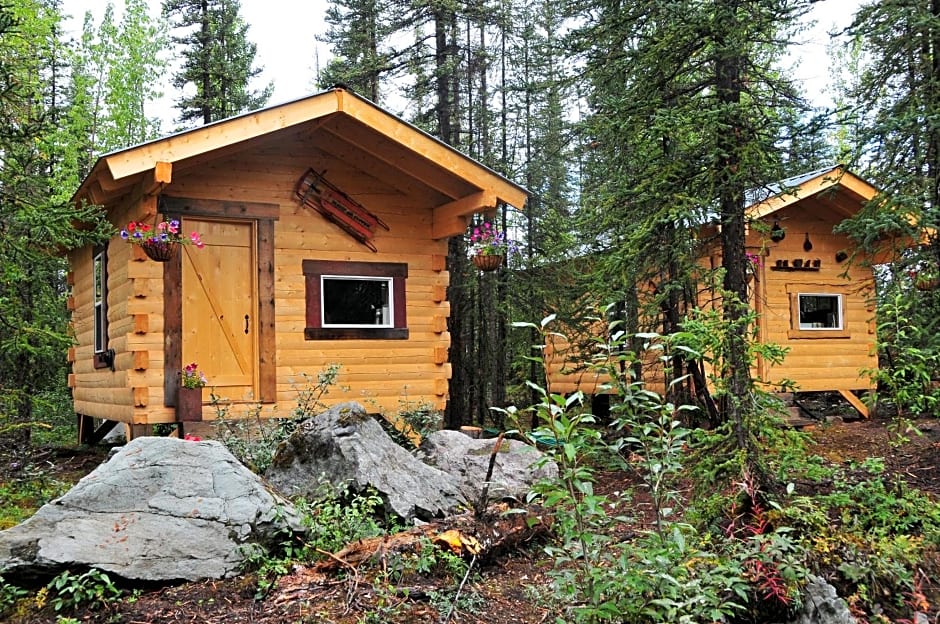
(730, 143)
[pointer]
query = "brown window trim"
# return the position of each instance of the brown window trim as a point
(105, 357)
(795, 333)
(314, 269)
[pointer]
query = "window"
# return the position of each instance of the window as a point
(104, 357)
(820, 311)
(817, 310)
(355, 300)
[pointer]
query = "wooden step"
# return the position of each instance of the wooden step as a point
(797, 419)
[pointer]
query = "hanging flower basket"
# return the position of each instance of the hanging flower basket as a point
(160, 251)
(489, 247)
(487, 262)
(926, 283)
(161, 241)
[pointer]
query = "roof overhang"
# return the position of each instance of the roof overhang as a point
(461, 185)
(837, 180)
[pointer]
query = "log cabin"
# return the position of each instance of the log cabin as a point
(808, 296)
(324, 224)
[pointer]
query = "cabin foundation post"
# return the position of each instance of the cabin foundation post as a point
(856, 402)
(137, 431)
(88, 434)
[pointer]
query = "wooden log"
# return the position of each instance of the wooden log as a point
(494, 533)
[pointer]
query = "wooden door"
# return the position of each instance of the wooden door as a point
(219, 307)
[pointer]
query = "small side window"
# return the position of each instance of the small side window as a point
(355, 300)
(817, 311)
(820, 311)
(104, 357)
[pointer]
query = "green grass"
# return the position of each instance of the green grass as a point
(21, 496)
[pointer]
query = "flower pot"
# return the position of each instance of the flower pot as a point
(487, 263)
(189, 405)
(160, 251)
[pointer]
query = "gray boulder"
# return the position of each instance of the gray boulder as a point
(516, 470)
(346, 446)
(161, 509)
(822, 605)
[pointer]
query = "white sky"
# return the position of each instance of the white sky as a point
(285, 32)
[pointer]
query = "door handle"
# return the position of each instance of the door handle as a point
(246, 323)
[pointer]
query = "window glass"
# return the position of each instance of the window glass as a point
(100, 297)
(356, 301)
(820, 311)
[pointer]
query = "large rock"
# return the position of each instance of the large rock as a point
(344, 445)
(161, 509)
(822, 605)
(516, 470)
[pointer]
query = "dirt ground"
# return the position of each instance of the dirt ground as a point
(503, 591)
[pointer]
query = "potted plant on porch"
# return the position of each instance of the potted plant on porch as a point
(189, 397)
(161, 241)
(489, 247)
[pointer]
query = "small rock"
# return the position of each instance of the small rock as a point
(822, 605)
(518, 465)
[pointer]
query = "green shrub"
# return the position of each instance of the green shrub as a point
(335, 518)
(9, 594)
(254, 439)
(92, 589)
(32, 488)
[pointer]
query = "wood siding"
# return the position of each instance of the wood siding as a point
(817, 360)
(133, 392)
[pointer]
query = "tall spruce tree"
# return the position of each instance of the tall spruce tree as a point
(686, 116)
(358, 32)
(893, 124)
(218, 60)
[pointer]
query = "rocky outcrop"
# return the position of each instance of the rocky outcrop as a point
(346, 446)
(161, 509)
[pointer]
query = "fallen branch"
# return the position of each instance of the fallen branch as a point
(499, 530)
(453, 604)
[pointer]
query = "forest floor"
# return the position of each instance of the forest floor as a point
(506, 590)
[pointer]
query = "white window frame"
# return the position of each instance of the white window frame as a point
(390, 302)
(840, 299)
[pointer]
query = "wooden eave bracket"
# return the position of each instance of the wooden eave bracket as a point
(157, 178)
(450, 219)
